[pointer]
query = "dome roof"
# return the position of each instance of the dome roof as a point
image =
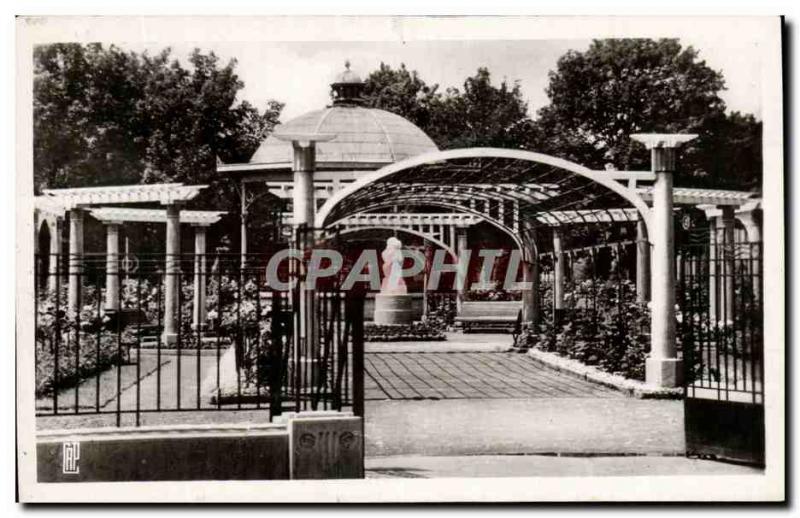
(364, 137)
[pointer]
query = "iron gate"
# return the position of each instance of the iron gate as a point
(721, 334)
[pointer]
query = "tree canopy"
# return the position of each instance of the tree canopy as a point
(483, 114)
(105, 116)
(599, 97)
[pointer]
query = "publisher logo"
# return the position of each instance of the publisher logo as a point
(71, 455)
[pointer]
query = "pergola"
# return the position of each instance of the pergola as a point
(113, 217)
(520, 191)
(55, 204)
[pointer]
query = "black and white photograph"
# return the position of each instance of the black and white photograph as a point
(399, 259)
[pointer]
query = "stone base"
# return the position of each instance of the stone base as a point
(394, 309)
(168, 339)
(664, 372)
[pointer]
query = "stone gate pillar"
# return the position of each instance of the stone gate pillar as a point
(662, 367)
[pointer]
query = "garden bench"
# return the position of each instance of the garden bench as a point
(490, 315)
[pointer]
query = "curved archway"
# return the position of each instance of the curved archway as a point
(439, 159)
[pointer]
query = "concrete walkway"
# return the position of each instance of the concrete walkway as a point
(545, 466)
(524, 426)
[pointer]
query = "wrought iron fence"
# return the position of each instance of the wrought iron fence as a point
(228, 341)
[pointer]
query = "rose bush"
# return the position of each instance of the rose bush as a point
(601, 325)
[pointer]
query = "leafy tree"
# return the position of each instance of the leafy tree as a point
(402, 92)
(106, 116)
(482, 115)
(599, 97)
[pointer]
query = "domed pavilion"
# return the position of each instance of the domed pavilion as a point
(366, 139)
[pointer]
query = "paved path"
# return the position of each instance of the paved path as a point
(469, 396)
(469, 375)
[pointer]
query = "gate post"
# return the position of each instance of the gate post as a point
(662, 367)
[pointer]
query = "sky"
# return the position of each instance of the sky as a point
(299, 74)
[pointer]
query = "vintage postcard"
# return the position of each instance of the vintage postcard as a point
(400, 259)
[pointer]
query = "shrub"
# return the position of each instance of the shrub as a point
(602, 325)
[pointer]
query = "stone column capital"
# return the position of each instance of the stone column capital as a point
(663, 140)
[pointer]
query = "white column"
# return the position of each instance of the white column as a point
(75, 260)
(303, 192)
(199, 301)
(172, 272)
(55, 266)
(530, 296)
(753, 229)
(662, 367)
(112, 266)
(727, 286)
(642, 263)
(558, 273)
(713, 284)
(461, 248)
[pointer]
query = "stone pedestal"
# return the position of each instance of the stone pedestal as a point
(394, 309)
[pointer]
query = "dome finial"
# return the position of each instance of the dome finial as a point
(346, 88)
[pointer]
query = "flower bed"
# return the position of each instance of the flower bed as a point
(493, 295)
(610, 333)
(98, 346)
(415, 332)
